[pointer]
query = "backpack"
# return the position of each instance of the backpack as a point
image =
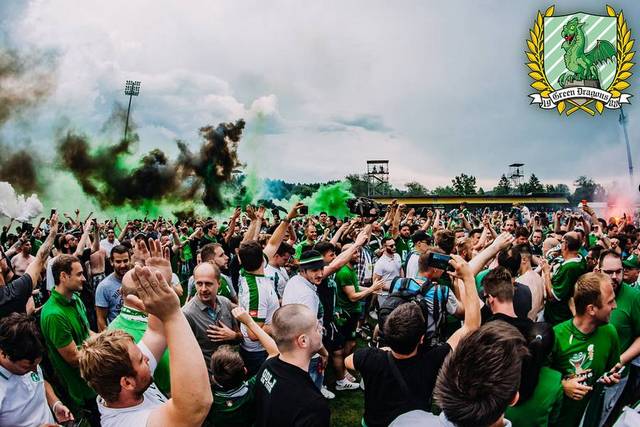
(402, 294)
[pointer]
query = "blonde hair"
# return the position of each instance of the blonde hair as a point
(588, 291)
(104, 360)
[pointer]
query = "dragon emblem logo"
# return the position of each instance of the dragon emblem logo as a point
(580, 62)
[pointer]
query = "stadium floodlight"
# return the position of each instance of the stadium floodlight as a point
(131, 88)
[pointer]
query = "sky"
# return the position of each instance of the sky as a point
(437, 88)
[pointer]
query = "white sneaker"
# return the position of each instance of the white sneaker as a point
(350, 377)
(345, 384)
(326, 393)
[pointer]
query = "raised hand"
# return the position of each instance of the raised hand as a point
(155, 294)
(241, 315)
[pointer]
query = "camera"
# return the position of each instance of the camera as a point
(441, 261)
(364, 207)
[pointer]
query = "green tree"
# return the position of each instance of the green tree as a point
(587, 189)
(480, 191)
(358, 184)
(563, 189)
(534, 184)
(503, 187)
(464, 184)
(444, 191)
(415, 189)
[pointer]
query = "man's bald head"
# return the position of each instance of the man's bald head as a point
(206, 268)
(289, 322)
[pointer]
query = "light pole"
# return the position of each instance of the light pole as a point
(623, 123)
(131, 88)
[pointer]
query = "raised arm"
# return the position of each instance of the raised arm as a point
(395, 225)
(263, 337)
(190, 393)
(95, 242)
(278, 235)
(501, 242)
(232, 225)
(471, 301)
(83, 239)
(345, 256)
(35, 268)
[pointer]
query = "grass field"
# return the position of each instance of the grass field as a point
(347, 408)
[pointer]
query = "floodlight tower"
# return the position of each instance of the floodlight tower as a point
(377, 177)
(131, 88)
(623, 123)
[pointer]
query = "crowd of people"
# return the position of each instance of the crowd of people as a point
(466, 317)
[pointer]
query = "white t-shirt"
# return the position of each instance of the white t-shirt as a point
(134, 416)
(388, 268)
(50, 283)
(300, 291)
(22, 400)
(107, 246)
(279, 276)
(412, 266)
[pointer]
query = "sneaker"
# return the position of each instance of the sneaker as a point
(346, 385)
(326, 393)
(350, 377)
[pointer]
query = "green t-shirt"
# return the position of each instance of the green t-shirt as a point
(347, 276)
(134, 323)
(626, 316)
(187, 255)
(543, 407)
(563, 281)
(63, 321)
(301, 247)
(233, 408)
(479, 278)
(403, 247)
(588, 356)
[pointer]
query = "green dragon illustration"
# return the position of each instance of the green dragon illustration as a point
(581, 65)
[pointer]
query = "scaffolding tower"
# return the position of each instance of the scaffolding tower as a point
(516, 176)
(377, 178)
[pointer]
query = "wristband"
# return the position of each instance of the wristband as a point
(53, 408)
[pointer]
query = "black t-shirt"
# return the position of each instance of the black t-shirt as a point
(14, 295)
(384, 399)
(523, 324)
(521, 303)
(286, 396)
(521, 299)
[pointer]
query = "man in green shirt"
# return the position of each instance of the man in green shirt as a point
(586, 346)
(631, 269)
(404, 244)
(559, 284)
(626, 319)
(65, 327)
(349, 299)
(311, 234)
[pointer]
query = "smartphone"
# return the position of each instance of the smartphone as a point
(53, 211)
(440, 261)
(304, 210)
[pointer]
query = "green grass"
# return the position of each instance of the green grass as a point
(348, 406)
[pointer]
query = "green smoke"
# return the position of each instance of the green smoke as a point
(331, 199)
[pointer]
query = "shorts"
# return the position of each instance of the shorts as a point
(333, 340)
(348, 327)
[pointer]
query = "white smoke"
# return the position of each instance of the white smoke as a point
(16, 206)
